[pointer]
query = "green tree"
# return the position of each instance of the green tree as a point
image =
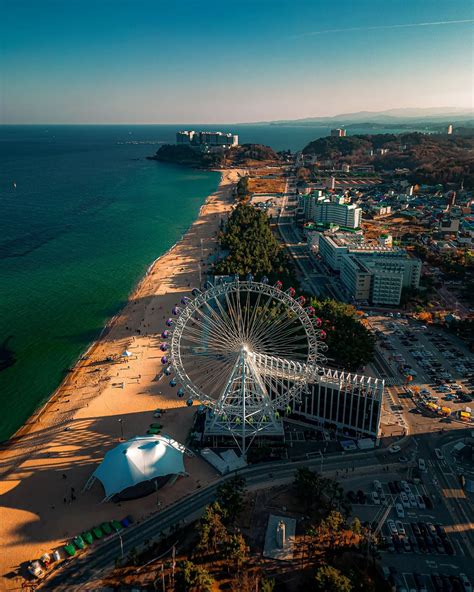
(251, 246)
(192, 578)
(330, 579)
(230, 496)
(356, 526)
(236, 550)
(350, 343)
(267, 585)
(310, 487)
(242, 188)
(212, 532)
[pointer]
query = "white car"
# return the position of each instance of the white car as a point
(439, 454)
(383, 498)
(422, 465)
(394, 449)
(412, 500)
(377, 486)
(405, 500)
(375, 498)
(400, 511)
(392, 527)
(406, 488)
(400, 527)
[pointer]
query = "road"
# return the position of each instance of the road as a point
(316, 280)
(80, 572)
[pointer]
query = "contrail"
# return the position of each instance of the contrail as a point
(378, 27)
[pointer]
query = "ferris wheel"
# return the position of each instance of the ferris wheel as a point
(246, 350)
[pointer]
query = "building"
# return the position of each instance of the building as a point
(380, 210)
(379, 278)
(333, 210)
(449, 225)
(386, 240)
(347, 403)
(200, 139)
(332, 247)
(338, 133)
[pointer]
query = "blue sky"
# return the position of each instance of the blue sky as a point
(154, 61)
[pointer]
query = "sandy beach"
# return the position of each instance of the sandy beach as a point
(46, 465)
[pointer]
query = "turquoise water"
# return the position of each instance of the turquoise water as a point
(87, 217)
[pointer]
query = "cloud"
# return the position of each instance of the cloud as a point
(380, 27)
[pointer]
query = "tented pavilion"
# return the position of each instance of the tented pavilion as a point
(139, 466)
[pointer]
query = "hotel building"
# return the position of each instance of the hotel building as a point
(198, 139)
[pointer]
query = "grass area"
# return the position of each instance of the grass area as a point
(260, 185)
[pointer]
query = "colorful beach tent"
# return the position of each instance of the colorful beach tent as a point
(126, 354)
(143, 458)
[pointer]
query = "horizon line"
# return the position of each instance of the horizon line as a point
(461, 111)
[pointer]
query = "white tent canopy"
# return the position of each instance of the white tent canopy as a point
(142, 458)
(126, 354)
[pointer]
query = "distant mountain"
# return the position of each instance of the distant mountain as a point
(390, 116)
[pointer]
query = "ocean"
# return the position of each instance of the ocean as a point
(82, 216)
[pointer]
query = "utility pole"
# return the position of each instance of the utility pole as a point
(121, 428)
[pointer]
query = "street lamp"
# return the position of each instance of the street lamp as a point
(121, 543)
(121, 428)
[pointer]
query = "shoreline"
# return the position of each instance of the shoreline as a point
(26, 427)
(62, 443)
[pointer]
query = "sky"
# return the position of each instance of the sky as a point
(210, 61)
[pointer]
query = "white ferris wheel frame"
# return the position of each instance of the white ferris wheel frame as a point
(211, 294)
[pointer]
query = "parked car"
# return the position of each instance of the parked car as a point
(400, 528)
(448, 547)
(465, 582)
(377, 485)
(420, 582)
(440, 531)
(420, 502)
(392, 527)
(400, 511)
(405, 500)
(428, 502)
(36, 570)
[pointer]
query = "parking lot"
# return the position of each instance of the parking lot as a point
(419, 551)
(440, 367)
